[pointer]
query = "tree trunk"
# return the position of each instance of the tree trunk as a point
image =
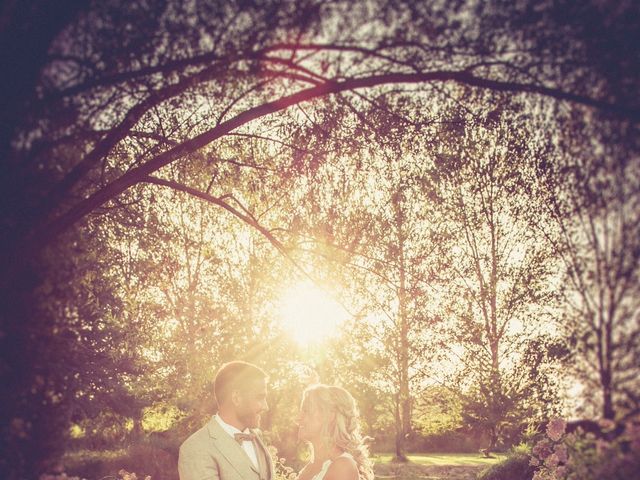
(403, 418)
(603, 334)
(493, 440)
(137, 432)
(607, 398)
(400, 455)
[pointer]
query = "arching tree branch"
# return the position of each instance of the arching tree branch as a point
(45, 235)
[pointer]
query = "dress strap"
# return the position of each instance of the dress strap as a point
(325, 466)
(323, 471)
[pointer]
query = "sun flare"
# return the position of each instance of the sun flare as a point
(309, 315)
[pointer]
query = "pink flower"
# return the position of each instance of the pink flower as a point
(632, 430)
(127, 475)
(601, 446)
(556, 428)
(538, 475)
(561, 472)
(606, 424)
(561, 452)
(552, 461)
(542, 449)
(534, 462)
(632, 434)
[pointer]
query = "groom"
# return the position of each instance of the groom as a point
(228, 446)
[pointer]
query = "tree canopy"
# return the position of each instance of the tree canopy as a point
(468, 170)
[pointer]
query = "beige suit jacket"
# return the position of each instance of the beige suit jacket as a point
(212, 454)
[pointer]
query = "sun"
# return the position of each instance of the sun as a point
(309, 315)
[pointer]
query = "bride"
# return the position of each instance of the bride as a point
(329, 420)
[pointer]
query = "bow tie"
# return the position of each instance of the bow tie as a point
(244, 437)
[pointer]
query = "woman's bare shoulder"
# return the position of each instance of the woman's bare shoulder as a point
(343, 468)
(304, 474)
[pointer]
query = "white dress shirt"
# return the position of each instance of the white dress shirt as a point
(247, 446)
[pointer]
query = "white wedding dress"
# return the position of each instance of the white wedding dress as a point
(325, 466)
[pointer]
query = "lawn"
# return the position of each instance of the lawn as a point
(147, 461)
(105, 464)
(441, 459)
(432, 466)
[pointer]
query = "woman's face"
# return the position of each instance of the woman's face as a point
(309, 422)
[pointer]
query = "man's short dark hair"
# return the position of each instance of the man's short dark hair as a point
(235, 376)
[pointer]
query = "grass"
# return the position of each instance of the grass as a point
(445, 459)
(76, 457)
(106, 463)
(433, 466)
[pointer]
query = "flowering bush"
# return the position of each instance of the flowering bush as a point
(56, 471)
(57, 476)
(282, 470)
(514, 467)
(124, 475)
(61, 475)
(580, 456)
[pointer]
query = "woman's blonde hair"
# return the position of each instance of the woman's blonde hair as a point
(341, 423)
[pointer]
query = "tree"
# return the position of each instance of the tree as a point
(76, 356)
(499, 270)
(118, 91)
(591, 221)
(369, 215)
(125, 83)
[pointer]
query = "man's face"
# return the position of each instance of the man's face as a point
(251, 403)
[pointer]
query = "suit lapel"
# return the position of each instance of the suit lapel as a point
(263, 454)
(231, 450)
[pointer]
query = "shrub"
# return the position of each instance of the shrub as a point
(452, 441)
(144, 459)
(585, 456)
(282, 470)
(515, 467)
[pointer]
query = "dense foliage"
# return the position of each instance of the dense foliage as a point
(462, 177)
